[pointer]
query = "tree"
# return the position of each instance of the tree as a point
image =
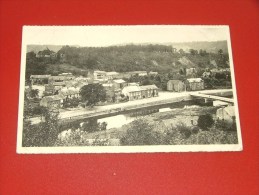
(141, 132)
(205, 121)
(193, 51)
(43, 134)
(91, 125)
(92, 94)
(34, 93)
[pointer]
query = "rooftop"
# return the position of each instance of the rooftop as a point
(119, 81)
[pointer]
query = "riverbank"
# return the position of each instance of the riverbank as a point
(163, 98)
(178, 126)
(161, 120)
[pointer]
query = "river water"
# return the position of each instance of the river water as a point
(118, 121)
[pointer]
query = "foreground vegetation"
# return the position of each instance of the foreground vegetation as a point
(142, 131)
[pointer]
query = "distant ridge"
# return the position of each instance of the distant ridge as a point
(209, 46)
(36, 48)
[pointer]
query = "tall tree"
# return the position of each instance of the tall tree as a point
(91, 94)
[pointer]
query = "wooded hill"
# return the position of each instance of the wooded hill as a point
(160, 58)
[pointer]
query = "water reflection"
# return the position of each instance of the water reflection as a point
(116, 121)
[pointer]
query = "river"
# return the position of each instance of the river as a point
(118, 121)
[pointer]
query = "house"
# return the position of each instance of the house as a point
(148, 91)
(57, 81)
(69, 92)
(142, 73)
(139, 92)
(47, 54)
(54, 101)
(111, 75)
(133, 92)
(60, 80)
(194, 84)
(100, 75)
(67, 76)
(176, 85)
(138, 73)
(119, 83)
(227, 114)
(39, 79)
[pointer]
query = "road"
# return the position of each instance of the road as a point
(163, 96)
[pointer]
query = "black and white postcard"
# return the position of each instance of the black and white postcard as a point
(127, 89)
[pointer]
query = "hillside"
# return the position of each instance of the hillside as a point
(211, 47)
(160, 58)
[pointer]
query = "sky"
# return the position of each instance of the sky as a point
(96, 36)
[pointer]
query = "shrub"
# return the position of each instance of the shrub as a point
(195, 130)
(205, 121)
(184, 130)
(141, 132)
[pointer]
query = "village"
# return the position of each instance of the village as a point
(62, 93)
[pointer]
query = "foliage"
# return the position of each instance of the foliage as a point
(69, 125)
(184, 130)
(43, 134)
(71, 138)
(92, 94)
(91, 125)
(141, 132)
(205, 121)
(182, 135)
(212, 137)
(76, 138)
(27, 108)
(39, 110)
(34, 93)
(71, 103)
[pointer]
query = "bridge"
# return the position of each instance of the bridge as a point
(208, 96)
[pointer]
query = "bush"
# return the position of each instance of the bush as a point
(184, 130)
(141, 132)
(205, 121)
(91, 125)
(195, 130)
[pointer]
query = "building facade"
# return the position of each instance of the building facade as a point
(140, 92)
(195, 84)
(176, 86)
